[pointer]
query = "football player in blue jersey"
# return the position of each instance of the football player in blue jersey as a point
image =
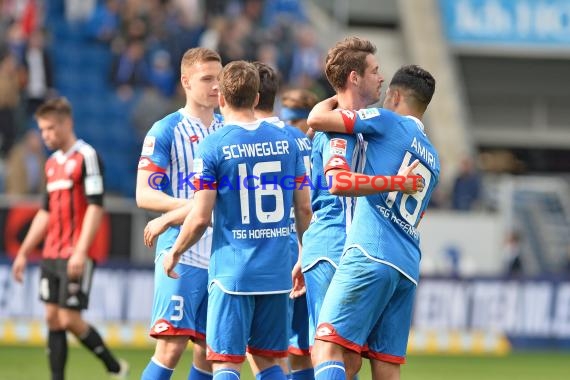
(296, 103)
(299, 355)
(252, 172)
(353, 72)
(164, 185)
(379, 269)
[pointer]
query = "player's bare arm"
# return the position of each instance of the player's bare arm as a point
(172, 218)
(347, 183)
(193, 228)
(323, 117)
(91, 222)
(34, 236)
(303, 215)
(153, 199)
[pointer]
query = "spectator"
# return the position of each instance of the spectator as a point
(9, 100)
(24, 167)
(513, 254)
(130, 69)
(104, 22)
(161, 74)
(39, 72)
(467, 187)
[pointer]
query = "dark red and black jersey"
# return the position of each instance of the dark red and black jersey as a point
(74, 180)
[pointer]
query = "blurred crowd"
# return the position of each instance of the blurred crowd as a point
(147, 39)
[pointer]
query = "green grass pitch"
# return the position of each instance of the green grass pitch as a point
(30, 363)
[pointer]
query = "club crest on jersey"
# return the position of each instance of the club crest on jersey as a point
(69, 167)
(148, 145)
(194, 138)
(368, 113)
(338, 147)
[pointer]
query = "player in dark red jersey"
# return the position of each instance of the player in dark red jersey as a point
(69, 219)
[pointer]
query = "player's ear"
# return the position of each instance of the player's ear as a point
(353, 77)
(185, 82)
(221, 100)
(256, 101)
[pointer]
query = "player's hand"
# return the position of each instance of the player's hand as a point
(76, 265)
(18, 268)
(298, 282)
(331, 103)
(414, 182)
(169, 263)
(154, 228)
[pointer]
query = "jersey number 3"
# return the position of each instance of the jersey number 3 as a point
(269, 190)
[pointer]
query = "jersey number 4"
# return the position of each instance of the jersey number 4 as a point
(260, 191)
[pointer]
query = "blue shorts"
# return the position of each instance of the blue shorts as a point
(368, 303)
(317, 281)
(299, 322)
(180, 305)
(256, 323)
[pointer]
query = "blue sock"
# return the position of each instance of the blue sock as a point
(226, 374)
(271, 373)
(330, 371)
(304, 374)
(199, 374)
(156, 371)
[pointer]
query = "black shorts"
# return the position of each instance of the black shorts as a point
(57, 288)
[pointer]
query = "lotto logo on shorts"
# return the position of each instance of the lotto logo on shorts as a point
(161, 327)
(325, 330)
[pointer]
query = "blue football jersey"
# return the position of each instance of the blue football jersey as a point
(254, 167)
(168, 150)
(332, 215)
(384, 225)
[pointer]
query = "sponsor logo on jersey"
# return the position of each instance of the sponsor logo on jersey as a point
(148, 145)
(338, 147)
(368, 113)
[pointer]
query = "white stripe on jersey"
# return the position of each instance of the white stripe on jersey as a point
(90, 157)
(182, 153)
(358, 162)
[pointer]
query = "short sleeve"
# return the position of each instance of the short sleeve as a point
(206, 164)
(155, 154)
(366, 121)
(93, 177)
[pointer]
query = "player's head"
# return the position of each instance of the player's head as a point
(239, 86)
(268, 86)
(296, 105)
(351, 65)
(199, 69)
(55, 122)
(411, 87)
